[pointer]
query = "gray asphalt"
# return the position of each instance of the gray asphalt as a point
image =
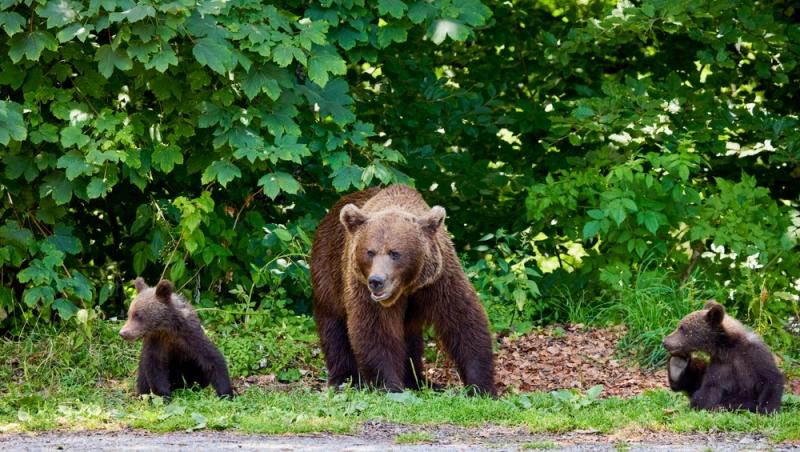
(459, 441)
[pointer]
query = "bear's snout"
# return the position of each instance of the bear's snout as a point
(124, 333)
(376, 282)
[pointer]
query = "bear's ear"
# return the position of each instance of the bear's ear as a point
(715, 314)
(433, 220)
(140, 284)
(164, 290)
(710, 303)
(352, 217)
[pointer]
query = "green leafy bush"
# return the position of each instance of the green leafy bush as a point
(187, 139)
(203, 141)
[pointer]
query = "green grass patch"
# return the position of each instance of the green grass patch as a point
(540, 445)
(414, 438)
(306, 411)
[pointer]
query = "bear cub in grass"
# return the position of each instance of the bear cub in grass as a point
(176, 352)
(382, 268)
(742, 372)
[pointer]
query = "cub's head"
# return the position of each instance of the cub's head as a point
(701, 330)
(151, 311)
(390, 248)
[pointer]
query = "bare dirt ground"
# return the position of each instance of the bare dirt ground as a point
(565, 356)
(381, 436)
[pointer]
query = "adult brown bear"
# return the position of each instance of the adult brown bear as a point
(741, 374)
(382, 268)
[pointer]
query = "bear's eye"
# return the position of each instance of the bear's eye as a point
(136, 316)
(394, 255)
(370, 254)
(682, 328)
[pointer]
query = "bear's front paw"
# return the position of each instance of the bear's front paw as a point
(677, 364)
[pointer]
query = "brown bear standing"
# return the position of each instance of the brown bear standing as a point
(176, 352)
(741, 374)
(382, 268)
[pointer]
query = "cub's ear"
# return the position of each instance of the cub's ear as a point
(711, 303)
(140, 284)
(352, 217)
(164, 290)
(715, 314)
(433, 220)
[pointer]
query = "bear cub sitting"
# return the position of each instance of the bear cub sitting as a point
(176, 352)
(741, 374)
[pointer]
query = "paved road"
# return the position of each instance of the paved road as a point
(381, 437)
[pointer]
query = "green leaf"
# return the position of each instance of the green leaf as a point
(334, 100)
(166, 157)
(278, 181)
(597, 214)
(58, 187)
(591, 229)
(394, 32)
(58, 12)
(11, 22)
(19, 237)
(223, 171)
(30, 45)
(325, 60)
(260, 80)
(395, 8)
(75, 165)
(284, 53)
(441, 29)
(64, 241)
(583, 112)
(282, 234)
(107, 59)
(683, 172)
(177, 270)
(405, 397)
(163, 60)
(96, 188)
(66, 309)
(73, 136)
(45, 132)
(76, 30)
(215, 53)
(617, 213)
(345, 177)
(650, 221)
(45, 294)
(12, 125)
(135, 14)
(419, 11)
(594, 391)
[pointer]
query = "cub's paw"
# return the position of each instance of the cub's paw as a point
(677, 364)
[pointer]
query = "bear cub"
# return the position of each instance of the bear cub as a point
(741, 373)
(176, 352)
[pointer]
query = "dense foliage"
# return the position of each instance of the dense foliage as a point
(573, 144)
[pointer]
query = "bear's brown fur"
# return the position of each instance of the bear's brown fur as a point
(382, 268)
(176, 352)
(742, 372)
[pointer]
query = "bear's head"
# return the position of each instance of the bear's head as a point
(702, 330)
(393, 251)
(151, 311)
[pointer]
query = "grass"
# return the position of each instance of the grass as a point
(306, 411)
(64, 380)
(414, 438)
(540, 445)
